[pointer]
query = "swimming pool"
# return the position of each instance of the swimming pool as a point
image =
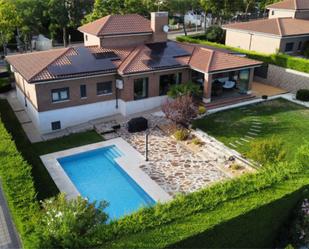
(97, 176)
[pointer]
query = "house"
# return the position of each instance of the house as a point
(286, 30)
(126, 66)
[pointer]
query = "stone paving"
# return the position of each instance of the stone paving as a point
(175, 168)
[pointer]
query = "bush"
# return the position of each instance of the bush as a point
(69, 223)
(202, 110)
(267, 151)
(18, 186)
(180, 110)
(236, 166)
(180, 90)
(181, 135)
(302, 95)
(215, 34)
(197, 141)
(5, 85)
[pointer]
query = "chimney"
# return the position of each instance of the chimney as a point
(159, 24)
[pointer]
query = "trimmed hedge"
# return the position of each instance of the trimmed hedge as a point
(17, 182)
(303, 95)
(199, 202)
(281, 60)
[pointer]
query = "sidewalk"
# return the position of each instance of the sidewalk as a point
(8, 236)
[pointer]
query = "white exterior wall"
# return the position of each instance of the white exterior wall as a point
(30, 109)
(83, 113)
(278, 13)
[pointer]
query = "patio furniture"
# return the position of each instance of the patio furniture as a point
(229, 84)
(137, 125)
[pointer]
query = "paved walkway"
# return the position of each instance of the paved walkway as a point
(22, 116)
(8, 235)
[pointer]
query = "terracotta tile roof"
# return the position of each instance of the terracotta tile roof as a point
(117, 25)
(207, 60)
(274, 26)
(84, 61)
(31, 64)
(291, 5)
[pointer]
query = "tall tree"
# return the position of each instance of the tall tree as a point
(8, 22)
(32, 19)
(66, 13)
(182, 7)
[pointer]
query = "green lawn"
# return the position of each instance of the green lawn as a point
(45, 186)
(279, 118)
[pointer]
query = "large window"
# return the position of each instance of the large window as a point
(289, 47)
(60, 94)
(104, 88)
(140, 88)
(168, 80)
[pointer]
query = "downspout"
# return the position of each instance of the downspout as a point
(25, 96)
(250, 44)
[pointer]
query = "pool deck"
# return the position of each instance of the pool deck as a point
(130, 163)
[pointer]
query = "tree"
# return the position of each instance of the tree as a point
(182, 7)
(68, 223)
(32, 20)
(66, 13)
(180, 110)
(103, 8)
(8, 22)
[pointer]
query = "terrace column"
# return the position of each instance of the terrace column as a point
(207, 88)
(250, 81)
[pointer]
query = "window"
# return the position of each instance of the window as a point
(104, 88)
(289, 47)
(140, 88)
(56, 125)
(83, 91)
(60, 94)
(273, 13)
(299, 46)
(86, 37)
(167, 80)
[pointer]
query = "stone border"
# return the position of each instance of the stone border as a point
(129, 162)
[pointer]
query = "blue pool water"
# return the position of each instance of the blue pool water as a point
(98, 177)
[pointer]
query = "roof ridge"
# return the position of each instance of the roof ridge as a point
(131, 56)
(212, 52)
(108, 17)
(279, 26)
(45, 67)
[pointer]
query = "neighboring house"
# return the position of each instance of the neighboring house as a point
(286, 30)
(126, 66)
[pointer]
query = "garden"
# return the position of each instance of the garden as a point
(248, 129)
(214, 216)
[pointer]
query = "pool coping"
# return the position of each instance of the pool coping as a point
(130, 162)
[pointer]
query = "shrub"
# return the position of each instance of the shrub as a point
(197, 141)
(18, 186)
(215, 34)
(69, 223)
(303, 95)
(201, 110)
(267, 151)
(181, 110)
(188, 88)
(181, 135)
(5, 85)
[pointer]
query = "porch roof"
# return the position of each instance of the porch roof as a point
(210, 61)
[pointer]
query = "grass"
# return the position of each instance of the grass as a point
(44, 184)
(279, 118)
